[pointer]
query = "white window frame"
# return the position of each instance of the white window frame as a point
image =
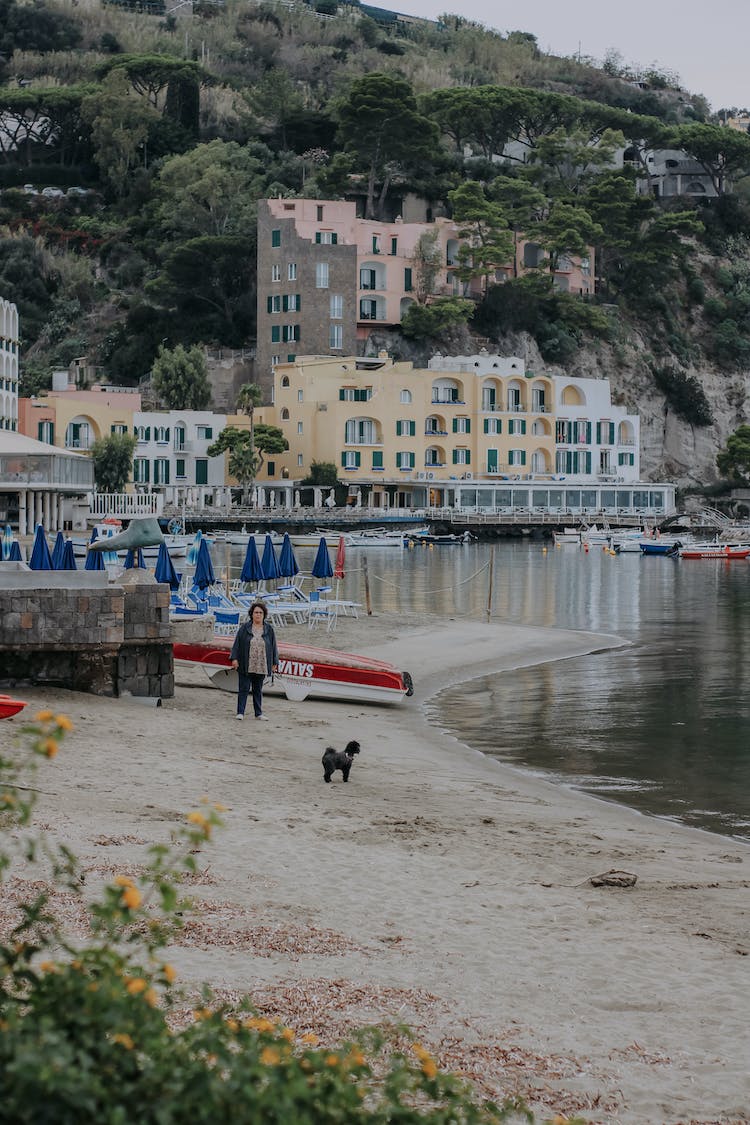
(336, 336)
(337, 306)
(275, 273)
(291, 271)
(322, 275)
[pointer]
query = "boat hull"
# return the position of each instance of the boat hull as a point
(306, 671)
(723, 553)
(10, 707)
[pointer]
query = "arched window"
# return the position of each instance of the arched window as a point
(405, 396)
(573, 396)
(285, 415)
(285, 380)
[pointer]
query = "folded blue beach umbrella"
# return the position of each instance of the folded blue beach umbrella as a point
(58, 551)
(204, 571)
(287, 562)
(15, 552)
(7, 542)
(130, 560)
(322, 568)
(251, 568)
(94, 559)
(164, 570)
(40, 559)
(68, 559)
(269, 563)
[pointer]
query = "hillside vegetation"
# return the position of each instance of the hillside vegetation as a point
(174, 126)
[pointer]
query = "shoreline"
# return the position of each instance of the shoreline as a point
(440, 887)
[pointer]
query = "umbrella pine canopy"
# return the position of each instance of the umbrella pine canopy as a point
(40, 559)
(322, 568)
(269, 563)
(287, 562)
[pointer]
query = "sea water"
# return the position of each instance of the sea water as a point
(662, 725)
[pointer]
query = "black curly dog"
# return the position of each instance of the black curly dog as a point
(339, 760)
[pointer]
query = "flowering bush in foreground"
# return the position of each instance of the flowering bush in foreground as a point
(85, 1031)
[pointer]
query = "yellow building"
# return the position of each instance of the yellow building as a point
(400, 434)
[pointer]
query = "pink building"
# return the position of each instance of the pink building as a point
(326, 278)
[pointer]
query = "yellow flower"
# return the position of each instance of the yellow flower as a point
(76, 964)
(131, 898)
(151, 997)
(311, 1038)
(429, 1068)
(233, 1025)
(43, 716)
(269, 1056)
(197, 818)
(136, 985)
(8, 799)
(63, 722)
(201, 1014)
(259, 1023)
(50, 747)
(93, 987)
(123, 881)
(219, 807)
(332, 1060)
(169, 973)
(356, 1058)
(420, 1052)
(124, 1040)
(288, 1034)
(48, 967)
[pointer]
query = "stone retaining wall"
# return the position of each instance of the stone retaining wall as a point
(79, 631)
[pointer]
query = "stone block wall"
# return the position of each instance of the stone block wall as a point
(81, 632)
(48, 618)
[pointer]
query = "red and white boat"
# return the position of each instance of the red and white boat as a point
(10, 707)
(715, 551)
(306, 671)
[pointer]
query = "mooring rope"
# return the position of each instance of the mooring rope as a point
(434, 589)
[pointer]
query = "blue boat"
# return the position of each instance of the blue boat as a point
(656, 547)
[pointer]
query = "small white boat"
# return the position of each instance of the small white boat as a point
(306, 671)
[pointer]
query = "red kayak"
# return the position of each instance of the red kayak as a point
(10, 707)
(304, 670)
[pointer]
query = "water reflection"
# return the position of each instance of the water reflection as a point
(663, 725)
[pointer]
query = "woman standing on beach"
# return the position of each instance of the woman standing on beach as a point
(255, 655)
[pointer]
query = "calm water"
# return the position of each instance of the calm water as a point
(663, 726)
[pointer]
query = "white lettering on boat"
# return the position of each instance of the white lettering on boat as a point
(295, 668)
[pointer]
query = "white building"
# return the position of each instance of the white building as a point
(172, 456)
(594, 439)
(8, 366)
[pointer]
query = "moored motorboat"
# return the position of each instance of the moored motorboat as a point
(306, 671)
(724, 551)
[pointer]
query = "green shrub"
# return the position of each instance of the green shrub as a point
(87, 1028)
(684, 394)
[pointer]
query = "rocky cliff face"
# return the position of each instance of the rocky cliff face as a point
(671, 448)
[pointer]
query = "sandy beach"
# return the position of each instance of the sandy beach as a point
(437, 888)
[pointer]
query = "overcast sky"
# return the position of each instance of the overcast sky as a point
(706, 45)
